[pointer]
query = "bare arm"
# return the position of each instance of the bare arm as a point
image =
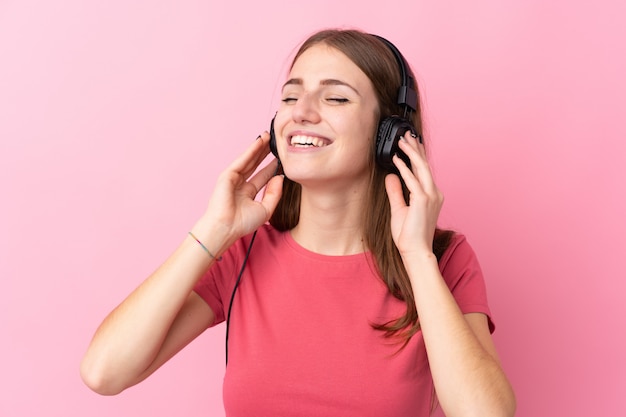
(163, 314)
(153, 323)
(468, 378)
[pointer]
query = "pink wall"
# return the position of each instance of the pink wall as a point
(115, 118)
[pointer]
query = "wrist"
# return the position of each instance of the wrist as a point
(212, 236)
(422, 268)
(419, 258)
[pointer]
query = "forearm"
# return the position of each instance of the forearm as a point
(467, 375)
(132, 335)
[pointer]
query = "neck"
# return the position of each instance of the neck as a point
(331, 224)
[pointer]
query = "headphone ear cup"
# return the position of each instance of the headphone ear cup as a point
(383, 147)
(273, 147)
(390, 130)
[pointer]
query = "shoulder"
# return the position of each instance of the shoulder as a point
(264, 235)
(459, 251)
(463, 275)
(265, 238)
(459, 262)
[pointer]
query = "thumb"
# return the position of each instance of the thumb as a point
(394, 192)
(272, 194)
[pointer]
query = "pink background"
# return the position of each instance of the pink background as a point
(116, 117)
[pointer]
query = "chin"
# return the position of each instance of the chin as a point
(299, 170)
(298, 176)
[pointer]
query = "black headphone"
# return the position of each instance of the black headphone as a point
(391, 128)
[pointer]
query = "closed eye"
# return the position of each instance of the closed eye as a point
(338, 99)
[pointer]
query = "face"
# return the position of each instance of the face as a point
(327, 120)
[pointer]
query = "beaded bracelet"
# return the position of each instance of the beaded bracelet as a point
(204, 247)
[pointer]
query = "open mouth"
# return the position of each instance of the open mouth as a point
(302, 141)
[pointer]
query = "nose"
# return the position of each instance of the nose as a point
(305, 110)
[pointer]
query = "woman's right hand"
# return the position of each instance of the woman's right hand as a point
(232, 211)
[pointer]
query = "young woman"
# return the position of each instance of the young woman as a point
(350, 302)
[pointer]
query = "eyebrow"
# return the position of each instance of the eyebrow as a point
(329, 81)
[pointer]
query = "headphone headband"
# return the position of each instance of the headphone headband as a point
(407, 96)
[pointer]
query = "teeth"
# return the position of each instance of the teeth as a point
(301, 140)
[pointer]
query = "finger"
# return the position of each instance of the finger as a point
(272, 194)
(412, 147)
(417, 155)
(252, 157)
(409, 178)
(262, 151)
(264, 175)
(394, 191)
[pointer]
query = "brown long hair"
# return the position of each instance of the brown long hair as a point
(377, 61)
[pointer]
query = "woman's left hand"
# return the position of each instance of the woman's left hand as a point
(413, 224)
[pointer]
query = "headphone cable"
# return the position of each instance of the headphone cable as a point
(232, 297)
(243, 266)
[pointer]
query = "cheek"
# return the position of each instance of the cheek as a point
(370, 119)
(370, 128)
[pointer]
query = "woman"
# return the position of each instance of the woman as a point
(350, 302)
